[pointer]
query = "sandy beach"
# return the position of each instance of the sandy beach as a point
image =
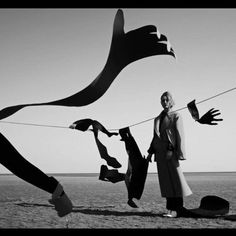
(102, 205)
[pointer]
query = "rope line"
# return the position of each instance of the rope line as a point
(33, 124)
(219, 94)
(141, 122)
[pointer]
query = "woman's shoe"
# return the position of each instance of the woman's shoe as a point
(170, 214)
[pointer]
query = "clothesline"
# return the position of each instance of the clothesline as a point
(33, 124)
(219, 94)
(141, 122)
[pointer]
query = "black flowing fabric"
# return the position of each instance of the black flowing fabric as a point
(125, 48)
(138, 165)
(193, 110)
(208, 118)
(84, 124)
(18, 165)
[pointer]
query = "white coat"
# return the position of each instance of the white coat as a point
(171, 178)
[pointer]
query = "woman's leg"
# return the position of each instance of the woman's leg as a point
(174, 203)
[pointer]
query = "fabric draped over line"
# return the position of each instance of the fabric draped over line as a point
(125, 48)
(171, 178)
(137, 165)
(208, 118)
(84, 124)
(136, 174)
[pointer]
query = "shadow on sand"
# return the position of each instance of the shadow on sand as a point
(116, 213)
(96, 211)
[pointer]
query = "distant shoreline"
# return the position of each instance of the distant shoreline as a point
(152, 173)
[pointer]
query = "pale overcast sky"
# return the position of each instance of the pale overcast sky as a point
(48, 54)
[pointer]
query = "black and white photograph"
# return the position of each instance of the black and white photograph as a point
(117, 118)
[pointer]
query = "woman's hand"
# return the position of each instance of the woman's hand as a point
(169, 154)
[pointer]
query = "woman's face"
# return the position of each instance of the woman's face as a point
(166, 103)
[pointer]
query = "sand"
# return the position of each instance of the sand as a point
(102, 205)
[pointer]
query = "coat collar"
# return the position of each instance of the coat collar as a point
(157, 121)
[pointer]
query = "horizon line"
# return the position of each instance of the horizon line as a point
(97, 173)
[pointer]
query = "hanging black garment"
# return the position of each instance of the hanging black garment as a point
(84, 124)
(138, 165)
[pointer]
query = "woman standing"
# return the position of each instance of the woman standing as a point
(168, 148)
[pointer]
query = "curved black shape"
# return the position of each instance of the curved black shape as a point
(137, 168)
(18, 165)
(125, 48)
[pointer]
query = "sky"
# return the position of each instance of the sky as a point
(49, 54)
